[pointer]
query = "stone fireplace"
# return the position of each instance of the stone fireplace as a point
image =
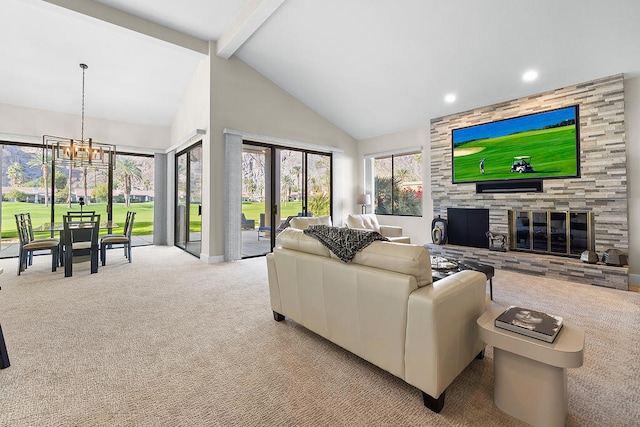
(599, 194)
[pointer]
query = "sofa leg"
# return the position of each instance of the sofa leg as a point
(480, 355)
(278, 317)
(435, 405)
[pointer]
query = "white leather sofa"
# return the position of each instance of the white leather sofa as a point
(370, 222)
(383, 307)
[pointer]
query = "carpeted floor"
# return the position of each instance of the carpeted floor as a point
(171, 341)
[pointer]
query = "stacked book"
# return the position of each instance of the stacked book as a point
(531, 323)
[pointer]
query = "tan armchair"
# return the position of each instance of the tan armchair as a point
(370, 222)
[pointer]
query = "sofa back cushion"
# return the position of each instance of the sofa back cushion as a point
(302, 222)
(403, 258)
(366, 221)
(295, 239)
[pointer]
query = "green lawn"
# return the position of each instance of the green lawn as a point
(40, 214)
(552, 153)
(143, 224)
(252, 210)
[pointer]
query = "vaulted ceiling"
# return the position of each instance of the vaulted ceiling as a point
(371, 67)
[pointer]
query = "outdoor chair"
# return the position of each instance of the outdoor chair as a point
(115, 239)
(248, 224)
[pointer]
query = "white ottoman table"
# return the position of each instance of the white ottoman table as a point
(530, 375)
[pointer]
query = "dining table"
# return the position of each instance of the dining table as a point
(59, 227)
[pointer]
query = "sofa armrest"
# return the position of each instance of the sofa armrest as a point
(442, 335)
(391, 231)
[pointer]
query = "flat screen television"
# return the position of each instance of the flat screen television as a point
(536, 146)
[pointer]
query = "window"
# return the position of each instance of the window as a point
(397, 184)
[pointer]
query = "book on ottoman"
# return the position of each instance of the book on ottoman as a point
(531, 323)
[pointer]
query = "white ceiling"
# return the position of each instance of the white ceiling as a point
(372, 67)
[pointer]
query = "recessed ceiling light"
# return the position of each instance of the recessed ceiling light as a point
(449, 98)
(530, 76)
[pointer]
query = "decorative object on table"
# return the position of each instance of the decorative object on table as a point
(439, 231)
(497, 241)
(442, 264)
(364, 200)
(589, 257)
(614, 257)
(81, 152)
(534, 324)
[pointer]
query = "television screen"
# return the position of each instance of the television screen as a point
(540, 145)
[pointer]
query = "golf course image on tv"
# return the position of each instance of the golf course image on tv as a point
(540, 145)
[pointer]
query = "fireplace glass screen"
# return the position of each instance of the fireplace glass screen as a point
(553, 232)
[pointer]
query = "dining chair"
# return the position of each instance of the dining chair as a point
(123, 239)
(33, 239)
(80, 238)
(27, 246)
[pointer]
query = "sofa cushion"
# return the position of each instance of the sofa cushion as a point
(295, 239)
(302, 222)
(367, 221)
(399, 257)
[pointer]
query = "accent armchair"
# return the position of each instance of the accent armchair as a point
(370, 222)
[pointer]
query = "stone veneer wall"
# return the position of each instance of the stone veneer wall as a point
(602, 187)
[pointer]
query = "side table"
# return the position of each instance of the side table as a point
(487, 269)
(530, 375)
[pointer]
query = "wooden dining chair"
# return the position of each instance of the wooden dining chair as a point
(115, 239)
(80, 238)
(28, 246)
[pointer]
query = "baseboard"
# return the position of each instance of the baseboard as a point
(634, 282)
(211, 259)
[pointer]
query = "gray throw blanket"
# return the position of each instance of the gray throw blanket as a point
(343, 242)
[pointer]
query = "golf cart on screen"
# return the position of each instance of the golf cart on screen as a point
(521, 164)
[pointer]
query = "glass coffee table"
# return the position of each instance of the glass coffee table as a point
(442, 267)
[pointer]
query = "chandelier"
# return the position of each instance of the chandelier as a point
(81, 152)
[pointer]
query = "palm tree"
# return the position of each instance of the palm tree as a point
(15, 174)
(127, 170)
(37, 159)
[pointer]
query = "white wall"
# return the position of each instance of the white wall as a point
(31, 122)
(193, 113)
(417, 228)
(241, 98)
(632, 120)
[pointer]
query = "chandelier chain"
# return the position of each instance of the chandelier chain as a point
(84, 67)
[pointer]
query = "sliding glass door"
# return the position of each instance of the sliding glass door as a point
(188, 218)
(279, 183)
(30, 184)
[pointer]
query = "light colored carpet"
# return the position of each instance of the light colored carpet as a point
(169, 340)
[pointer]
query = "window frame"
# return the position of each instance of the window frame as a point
(370, 180)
